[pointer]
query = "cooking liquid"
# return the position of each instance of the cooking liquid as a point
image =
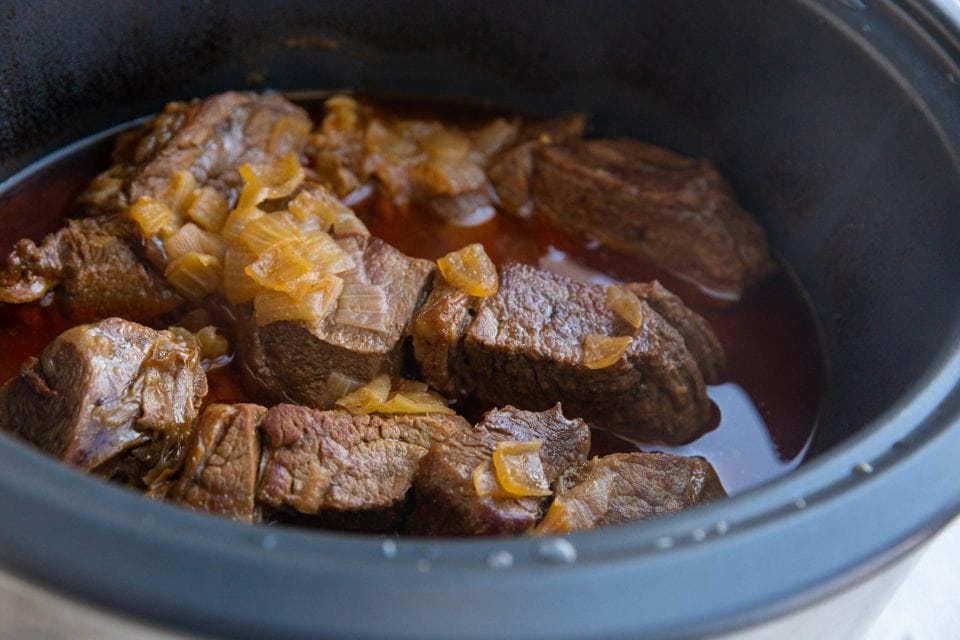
(766, 409)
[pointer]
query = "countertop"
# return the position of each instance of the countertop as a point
(927, 604)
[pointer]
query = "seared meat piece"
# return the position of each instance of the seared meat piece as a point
(98, 272)
(100, 390)
(700, 339)
(642, 199)
(220, 470)
(438, 329)
(97, 261)
(303, 356)
(510, 171)
(446, 497)
(210, 138)
(342, 467)
(524, 346)
(624, 487)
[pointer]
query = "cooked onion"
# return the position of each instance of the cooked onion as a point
(363, 306)
(282, 268)
(556, 520)
(195, 275)
(447, 177)
(367, 398)
(214, 347)
(264, 232)
(208, 209)
(625, 304)
(323, 253)
(470, 269)
(313, 306)
(237, 221)
(286, 133)
(446, 144)
(237, 285)
(422, 402)
(270, 181)
(376, 397)
(191, 238)
(150, 214)
(179, 192)
(519, 469)
(600, 351)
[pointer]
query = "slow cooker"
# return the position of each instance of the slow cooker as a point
(837, 121)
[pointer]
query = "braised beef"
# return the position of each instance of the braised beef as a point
(93, 263)
(511, 170)
(303, 356)
(222, 463)
(104, 389)
(624, 487)
(643, 199)
(700, 339)
(446, 498)
(342, 467)
(523, 346)
(210, 138)
(97, 261)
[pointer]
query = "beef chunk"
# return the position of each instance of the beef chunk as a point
(446, 498)
(700, 339)
(210, 138)
(340, 466)
(523, 346)
(642, 199)
(510, 171)
(303, 356)
(97, 261)
(97, 270)
(624, 487)
(220, 470)
(438, 328)
(100, 390)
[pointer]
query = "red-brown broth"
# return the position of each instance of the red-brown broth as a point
(766, 409)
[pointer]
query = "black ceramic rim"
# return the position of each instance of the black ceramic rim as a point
(786, 545)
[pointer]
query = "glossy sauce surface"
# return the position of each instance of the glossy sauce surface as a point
(766, 408)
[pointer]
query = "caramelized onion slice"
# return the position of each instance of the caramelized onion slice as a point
(208, 209)
(407, 397)
(556, 520)
(150, 214)
(421, 402)
(277, 179)
(363, 306)
(323, 253)
(237, 221)
(180, 191)
(625, 304)
(470, 269)
(600, 352)
(195, 275)
(282, 268)
(237, 285)
(266, 231)
(367, 398)
(485, 482)
(519, 469)
(214, 347)
(313, 306)
(446, 144)
(191, 238)
(286, 132)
